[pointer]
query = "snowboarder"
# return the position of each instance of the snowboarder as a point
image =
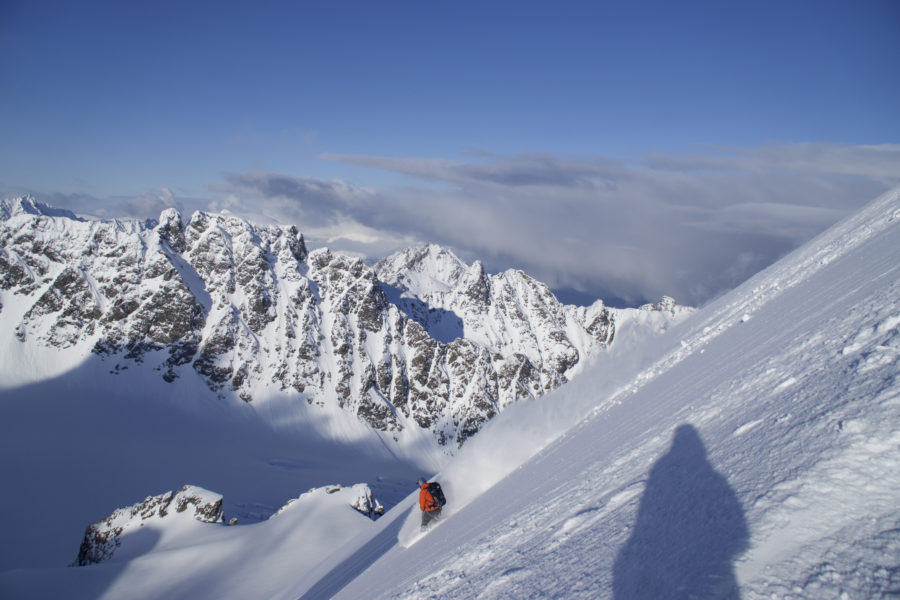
(431, 499)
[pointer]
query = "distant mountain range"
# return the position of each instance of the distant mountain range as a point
(418, 340)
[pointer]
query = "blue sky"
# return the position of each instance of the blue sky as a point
(615, 111)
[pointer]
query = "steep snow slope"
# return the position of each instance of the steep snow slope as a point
(756, 453)
(751, 448)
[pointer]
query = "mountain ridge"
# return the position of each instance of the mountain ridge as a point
(777, 401)
(253, 312)
(751, 454)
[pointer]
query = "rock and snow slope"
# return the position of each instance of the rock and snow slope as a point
(140, 356)
(103, 539)
(254, 314)
(756, 454)
(751, 450)
(177, 555)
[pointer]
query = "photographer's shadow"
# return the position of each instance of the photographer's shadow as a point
(689, 529)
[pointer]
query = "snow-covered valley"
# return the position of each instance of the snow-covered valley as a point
(750, 451)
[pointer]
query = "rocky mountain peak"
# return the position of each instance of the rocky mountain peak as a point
(665, 304)
(171, 229)
(421, 270)
(27, 205)
(102, 538)
(419, 341)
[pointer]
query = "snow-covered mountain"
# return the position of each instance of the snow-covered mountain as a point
(103, 539)
(255, 314)
(142, 356)
(751, 451)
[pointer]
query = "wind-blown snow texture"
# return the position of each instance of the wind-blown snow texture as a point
(752, 451)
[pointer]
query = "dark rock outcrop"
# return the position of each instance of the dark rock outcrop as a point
(102, 538)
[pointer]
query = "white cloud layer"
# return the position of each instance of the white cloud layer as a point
(690, 226)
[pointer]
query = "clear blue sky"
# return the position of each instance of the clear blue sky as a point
(109, 100)
(128, 96)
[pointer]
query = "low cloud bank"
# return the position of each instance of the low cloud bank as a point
(689, 226)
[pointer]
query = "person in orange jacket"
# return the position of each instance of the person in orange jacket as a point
(430, 501)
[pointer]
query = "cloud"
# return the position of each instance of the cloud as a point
(878, 162)
(530, 170)
(147, 204)
(315, 201)
(142, 206)
(685, 225)
(689, 225)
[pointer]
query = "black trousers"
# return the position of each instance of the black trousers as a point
(429, 516)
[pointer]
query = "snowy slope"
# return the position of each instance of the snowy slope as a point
(757, 454)
(753, 447)
(77, 447)
(178, 556)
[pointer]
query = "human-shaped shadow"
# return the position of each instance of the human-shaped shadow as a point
(689, 529)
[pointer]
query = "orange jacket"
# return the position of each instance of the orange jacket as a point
(426, 501)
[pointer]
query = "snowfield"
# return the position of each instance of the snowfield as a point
(755, 455)
(752, 451)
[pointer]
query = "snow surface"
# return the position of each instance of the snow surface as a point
(76, 447)
(754, 457)
(752, 451)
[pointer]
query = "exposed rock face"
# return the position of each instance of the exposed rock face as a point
(102, 538)
(366, 503)
(360, 498)
(495, 338)
(420, 340)
(666, 304)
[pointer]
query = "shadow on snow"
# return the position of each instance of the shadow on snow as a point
(441, 324)
(689, 529)
(348, 570)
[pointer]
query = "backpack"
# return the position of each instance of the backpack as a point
(434, 488)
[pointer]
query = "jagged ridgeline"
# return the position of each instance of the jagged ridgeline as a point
(418, 340)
